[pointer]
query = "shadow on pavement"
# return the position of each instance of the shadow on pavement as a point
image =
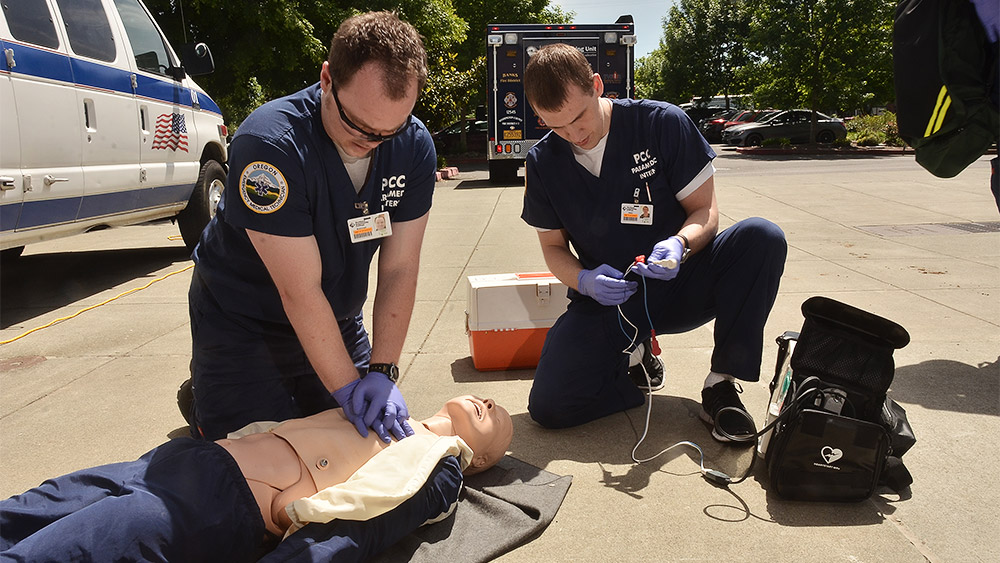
(464, 371)
(949, 385)
(36, 284)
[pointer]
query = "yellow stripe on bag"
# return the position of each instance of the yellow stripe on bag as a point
(940, 109)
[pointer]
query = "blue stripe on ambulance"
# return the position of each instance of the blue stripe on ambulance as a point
(33, 61)
(38, 213)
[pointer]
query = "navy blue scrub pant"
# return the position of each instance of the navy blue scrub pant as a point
(183, 501)
(582, 374)
(244, 370)
(187, 501)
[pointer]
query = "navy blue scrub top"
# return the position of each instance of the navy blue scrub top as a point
(286, 178)
(649, 142)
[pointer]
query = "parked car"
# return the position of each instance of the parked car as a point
(749, 116)
(791, 124)
(449, 139)
(711, 127)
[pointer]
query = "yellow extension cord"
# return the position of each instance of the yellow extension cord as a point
(59, 320)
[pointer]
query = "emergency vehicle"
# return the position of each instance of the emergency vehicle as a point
(102, 123)
(513, 127)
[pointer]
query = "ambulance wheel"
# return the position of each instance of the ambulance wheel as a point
(203, 203)
(504, 171)
(8, 255)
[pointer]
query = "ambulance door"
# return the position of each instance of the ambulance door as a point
(11, 193)
(50, 183)
(107, 107)
(167, 129)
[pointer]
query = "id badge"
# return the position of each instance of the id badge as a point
(368, 227)
(637, 214)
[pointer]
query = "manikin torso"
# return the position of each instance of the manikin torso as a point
(299, 458)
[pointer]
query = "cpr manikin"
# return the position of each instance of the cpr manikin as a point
(314, 480)
(302, 456)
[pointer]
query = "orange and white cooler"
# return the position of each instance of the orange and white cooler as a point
(508, 316)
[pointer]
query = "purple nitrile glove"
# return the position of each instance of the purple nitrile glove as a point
(395, 417)
(605, 285)
(343, 398)
(369, 401)
(670, 249)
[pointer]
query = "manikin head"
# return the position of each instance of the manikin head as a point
(485, 426)
(375, 70)
(565, 92)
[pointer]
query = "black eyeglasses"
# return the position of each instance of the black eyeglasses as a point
(368, 136)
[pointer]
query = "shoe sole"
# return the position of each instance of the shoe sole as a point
(653, 388)
(704, 416)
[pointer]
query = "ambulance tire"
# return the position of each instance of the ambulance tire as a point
(203, 203)
(8, 255)
(504, 171)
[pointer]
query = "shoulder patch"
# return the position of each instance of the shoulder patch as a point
(263, 187)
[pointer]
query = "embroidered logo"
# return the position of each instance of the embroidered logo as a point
(263, 187)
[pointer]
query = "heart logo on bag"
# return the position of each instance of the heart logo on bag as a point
(831, 454)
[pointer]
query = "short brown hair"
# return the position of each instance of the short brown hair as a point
(551, 70)
(384, 39)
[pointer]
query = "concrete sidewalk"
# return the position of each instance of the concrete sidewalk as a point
(878, 233)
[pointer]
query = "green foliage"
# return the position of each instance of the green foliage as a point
(870, 130)
(825, 55)
(776, 142)
(269, 48)
(700, 54)
(842, 143)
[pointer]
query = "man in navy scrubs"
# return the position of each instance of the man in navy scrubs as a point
(590, 182)
(282, 270)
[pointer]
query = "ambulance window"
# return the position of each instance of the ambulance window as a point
(150, 53)
(88, 29)
(30, 21)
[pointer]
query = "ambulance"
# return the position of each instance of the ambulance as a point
(513, 127)
(101, 124)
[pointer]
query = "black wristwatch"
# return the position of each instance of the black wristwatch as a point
(390, 370)
(687, 247)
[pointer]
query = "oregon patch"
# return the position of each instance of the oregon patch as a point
(262, 187)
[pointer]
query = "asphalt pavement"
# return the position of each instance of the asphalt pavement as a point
(876, 232)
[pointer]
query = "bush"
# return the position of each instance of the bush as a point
(777, 142)
(842, 144)
(874, 130)
(442, 163)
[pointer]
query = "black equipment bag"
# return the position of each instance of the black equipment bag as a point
(945, 71)
(837, 428)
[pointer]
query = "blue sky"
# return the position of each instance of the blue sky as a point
(648, 16)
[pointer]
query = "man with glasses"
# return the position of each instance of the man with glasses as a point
(282, 270)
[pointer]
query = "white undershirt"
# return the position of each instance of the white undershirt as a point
(357, 167)
(591, 158)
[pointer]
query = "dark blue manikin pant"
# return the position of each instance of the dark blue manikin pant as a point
(582, 372)
(244, 370)
(186, 502)
(183, 501)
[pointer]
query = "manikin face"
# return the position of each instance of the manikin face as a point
(485, 426)
(580, 120)
(366, 105)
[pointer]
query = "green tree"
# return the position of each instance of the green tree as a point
(266, 49)
(701, 53)
(824, 55)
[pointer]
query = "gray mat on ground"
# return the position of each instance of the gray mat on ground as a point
(499, 509)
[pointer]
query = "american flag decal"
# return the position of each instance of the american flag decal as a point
(171, 132)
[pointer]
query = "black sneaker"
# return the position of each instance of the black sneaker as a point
(185, 400)
(719, 396)
(651, 365)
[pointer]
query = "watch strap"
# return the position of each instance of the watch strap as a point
(390, 370)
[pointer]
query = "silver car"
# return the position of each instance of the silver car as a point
(791, 124)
